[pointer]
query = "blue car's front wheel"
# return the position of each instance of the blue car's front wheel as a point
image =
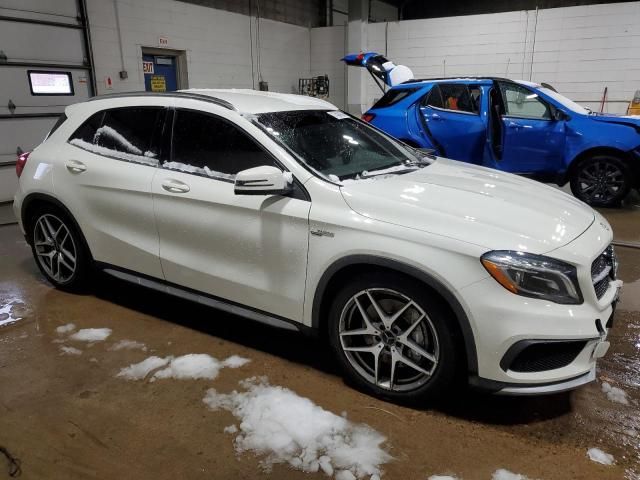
(601, 180)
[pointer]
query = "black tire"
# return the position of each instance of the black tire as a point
(601, 180)
(444, 373)
(75, 280)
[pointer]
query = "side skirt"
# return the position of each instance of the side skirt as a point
(204, 299)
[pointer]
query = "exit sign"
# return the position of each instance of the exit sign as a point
(163, 41)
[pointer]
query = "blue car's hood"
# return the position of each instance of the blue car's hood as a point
(629, 120)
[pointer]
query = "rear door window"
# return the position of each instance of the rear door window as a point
(434, 98)
(131, 134)
(456, 96)
(210, 146)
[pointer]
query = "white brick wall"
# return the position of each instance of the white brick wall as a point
(327, 48)
(578, 50)
(217, 44)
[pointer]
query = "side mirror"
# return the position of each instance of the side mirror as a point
(264, 180)
(559, 115)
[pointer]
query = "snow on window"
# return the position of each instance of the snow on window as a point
(205, 171)
(286, 428)
(146, 158)
(91, 334)
(106, 131)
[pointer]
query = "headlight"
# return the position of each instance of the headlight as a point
(534, 276)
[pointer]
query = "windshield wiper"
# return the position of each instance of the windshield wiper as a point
(392, 170)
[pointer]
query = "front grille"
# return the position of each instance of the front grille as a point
(603, 270)
(540, 357)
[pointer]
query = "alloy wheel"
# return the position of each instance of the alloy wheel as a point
(55, 248)
(389, 339)
(600, 181)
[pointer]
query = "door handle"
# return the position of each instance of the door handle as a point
(436, 118)
(74, 166)
(514, 125)
(175, 186)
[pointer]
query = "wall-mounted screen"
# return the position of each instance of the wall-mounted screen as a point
(43, 82)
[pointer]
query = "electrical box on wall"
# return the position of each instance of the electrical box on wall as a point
(263, 86)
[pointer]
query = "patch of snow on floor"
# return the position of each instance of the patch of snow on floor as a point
(140, 370)
(6, 316)
(91, 334)
(235, 361)
(69, 327)
(615, 394)
(193, 365)
(502, 474)
(286, 428)
(597, 455)
(128, 345)
(70, 350)
(231, 429)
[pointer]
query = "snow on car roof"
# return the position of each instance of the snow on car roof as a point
(254, 101)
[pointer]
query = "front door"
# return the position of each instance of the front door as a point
(251, 250)
(160, 73)
(451, 118)
(532, 139)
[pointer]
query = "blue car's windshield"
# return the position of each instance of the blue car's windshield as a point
(564, 101)
(339, 146)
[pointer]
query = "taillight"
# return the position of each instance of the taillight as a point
(22, 161)
(367, 117)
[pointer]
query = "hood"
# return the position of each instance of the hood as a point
(628, 120)
(478, 205)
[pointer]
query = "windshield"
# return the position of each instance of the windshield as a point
(564, 101)
(338, 146)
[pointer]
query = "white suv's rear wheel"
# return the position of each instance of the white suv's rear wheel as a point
(391, 339)
(58, 249)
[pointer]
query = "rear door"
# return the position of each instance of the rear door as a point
(451, 116)
(105, 179)
(249, 249)
(532, 139)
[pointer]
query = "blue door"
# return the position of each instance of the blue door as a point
(532, 139)
(451, 115)
(160, 73)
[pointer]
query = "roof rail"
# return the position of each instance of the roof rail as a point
(193, 96)
(459, 77)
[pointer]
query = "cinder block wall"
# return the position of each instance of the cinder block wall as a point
(578, 50)
(327, 48)
(218, 45)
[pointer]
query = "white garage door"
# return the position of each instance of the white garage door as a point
(45, 64)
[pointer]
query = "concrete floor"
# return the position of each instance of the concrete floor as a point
(70, 417)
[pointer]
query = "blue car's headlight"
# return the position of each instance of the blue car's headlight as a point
(534, 276)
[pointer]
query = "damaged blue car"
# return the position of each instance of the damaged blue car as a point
(511, 125)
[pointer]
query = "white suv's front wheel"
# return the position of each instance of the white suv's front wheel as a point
(392, 339)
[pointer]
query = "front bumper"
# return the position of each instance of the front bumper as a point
(534, 389)
(502, 321)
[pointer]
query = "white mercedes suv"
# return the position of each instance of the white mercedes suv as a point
(285, 210)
